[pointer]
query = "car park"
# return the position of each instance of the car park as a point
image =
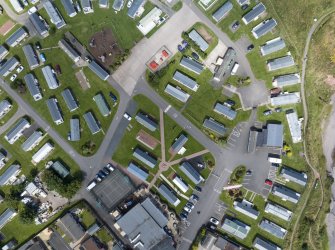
(199, 189)
(19, 69)
(214, 221)
(127, 116)
(13, 77)
(268, 182)
(250, 47)
(267, 112)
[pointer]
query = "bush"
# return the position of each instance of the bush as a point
(27, 214)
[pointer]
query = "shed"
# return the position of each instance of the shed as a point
(145, 158)
(92, 123)
(50, 77)
(55, 111)
(215, 126)
(168, 195)
(222, 11)
(137, 171)
(264, 28)
(31, 56)
(254, 13)
(176, 93)
(274, 135)
(60, 169)
(74, 129)
(226, 111)
(16, 37)
(98, 70)
(32, 141)
(101, 102)
(146, 121)
(33, 87)
(191, 173)
(186, 81)
(192, 65)
(69, 99)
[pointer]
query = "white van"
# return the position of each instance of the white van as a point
(235, 68)
(274, 159)
(91, 186)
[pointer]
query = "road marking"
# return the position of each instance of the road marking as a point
(47, 128)
(175, 115)
(167, 108)
(187, 240)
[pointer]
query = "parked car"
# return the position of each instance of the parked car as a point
(187, 209)
(58, 69)
(248, 172)
(37, 45)
(195, 56)
(98, 178)
(229, 103)
(19, 69)
(250, 47)
(127, 116)
(199, 189)
(268, 182)
(42, 57)
(275, 91)
(267, 112)
(105, 171)
(214, 221)
(114, 98)
(32, 10)
(194, 197)
(235, 25)
(183, 216)
(13, 77)
(244, 6)
(181, 48)
(102, 174)
(25, 2)
(110, 166)
(278, 110)
(190, 205)
(276, 165)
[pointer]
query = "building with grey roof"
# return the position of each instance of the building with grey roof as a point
(50, 77)
(69, 99)
(145, 158)
(32, 141)
(176, 93)
(191, 173)
(246, 208)
(8, 66)
(3, 52)
(134, 9)
(56, 241)
(274, 136)
(192, 65)
(264, 28)
(273, 229)
(285, 193)
(74, 129)
(146, 121)
(280, 63)
(92, 123)
(18, 36)
(118, 5)
(69, 8)
(17, 130)
(198, 40)
(179, 143)
(262, 244)
(226, 65)
(33, 87)
(168, 195)
(235, 227)
(143, 226)
(55, 111)
(55, 16)
(39, 25)
(70, 227)
(10, 245)
(225, 111)
(6, 216)
(87, 6)
(254, 13)
(180, 183)
(222, 11)
(10, 174)
(104, 3)
(93, 229)
(5, 107)
(278, 211)
(185, 80)
(290, 174)
(294, 125)
(67, 48)
(285, 99)
(286, 80)
(272, 46)
(214, 126)
(31, 56)
(102, 104)
(242, 2)
(137, 171)
(60, 169)
(98, 70)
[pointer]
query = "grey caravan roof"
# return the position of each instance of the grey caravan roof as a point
(145, 158)
(281, 63)
(69, 8)
(32, 139)
(146, 121)
(103, 2)
(9, 64)
(273, 229)
(246, 209)
(13, 39)
(98, 70)
(9, 172)
(214, 126)
(50, 77)
(135, 7)
(256, 11)
(168, 195)
(222, 11)
(69, 100)
(286, 99)
(102, 104)
(31, 56)
(286, 80)
(294, 176)
(264, 28)
(262, 244)
(3, 52)
(71, 227)
(54, 14)
(190, 172)
(54, 110)
(278, 211)
(225, 110)
(285, 193)
(272, 46)
(75, 129)
(16, 128)
(137, 171)
(185, 80)
(38, 24)
(236, 227)
(33, 88)
(4, 104)
(179, 143)
(117, 5)
(67, 48)
(199, 40)
(92, 123)
(6, 216)
(176, 93)
(191, 65)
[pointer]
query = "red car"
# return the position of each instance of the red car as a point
(268, 182)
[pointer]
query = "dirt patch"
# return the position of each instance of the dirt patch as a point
(205, 35)
(83, 81)
(6, 27)
(147, 140)
(104, 47)
(330, 80)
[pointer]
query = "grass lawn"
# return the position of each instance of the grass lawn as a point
(104, 236)
(87, 219)
(177, 6)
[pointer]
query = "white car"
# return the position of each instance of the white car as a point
(13, 77)
(110, 166)
(25, 2)
(19, 69)
(32, 10)
(187, 209)
(214, 221)
(127, 116)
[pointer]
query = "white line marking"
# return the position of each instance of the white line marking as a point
(167, 108)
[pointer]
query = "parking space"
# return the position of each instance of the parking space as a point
(220, 209)
(235, 135)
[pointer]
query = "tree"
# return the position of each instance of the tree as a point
(14, 85)
(27, 214)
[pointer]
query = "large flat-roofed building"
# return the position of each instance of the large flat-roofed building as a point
(143, 226)
(8, 66)
(67, 48)
(137, 171)
(42, 153)
(294, 125)
(264, 28)
(226, 65)
(92, 123)
(272, 46)
(5, 107)
(10, 174)
(286, 80)
(191, 173)
(222, 11)
(6, 216)
(60, 169)
(225, 111)
(3, 52)
(32, 141)
(33, 87)
(278, 211)
(272, 136)
(16, 131)
(118, 5)
(136, 8)
(70, 227)
(262, 244)
(198, 40)
(55, 16)
(101, 102)
(149, 22)
(69, 99)
(214, 126)
(176, 93)
(280, 63)
(254, 13)
(246, 208)
(192, 65)
(181, 184)
(98, 70)
(235, 227)
(285, 99)
(168, 195)
(290, 174)
(273, 229)
(50, 77)
(69, 8)
(285, 193)
(186, 81)
(18, 36)
(179, 143)
(145, 158)
(87, 6)
(55, 111)
(146, 121)
(31, 56)
(39, 25)
(16, 5)
(74, 129)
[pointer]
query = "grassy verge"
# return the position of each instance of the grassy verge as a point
(177, 6)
